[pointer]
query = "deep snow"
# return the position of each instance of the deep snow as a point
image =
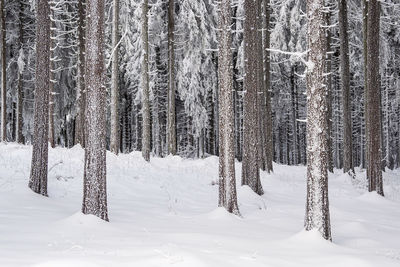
(164, 213)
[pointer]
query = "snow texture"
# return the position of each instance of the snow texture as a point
(164, 213)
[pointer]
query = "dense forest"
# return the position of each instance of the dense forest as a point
(310, 82)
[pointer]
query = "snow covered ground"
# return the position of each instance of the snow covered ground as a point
(164, 213)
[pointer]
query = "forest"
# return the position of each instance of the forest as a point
(200, 132)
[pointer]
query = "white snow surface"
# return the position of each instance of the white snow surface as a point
(164, 213)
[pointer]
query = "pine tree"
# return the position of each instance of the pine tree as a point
(38, 176)
(80, 83)
(145, 83)
(227, 180)
(3, 74)
(94, 180)
(317, 207)
(345, 85)
(373, 97)
(114, 137)
(250, 168)
(171, 113)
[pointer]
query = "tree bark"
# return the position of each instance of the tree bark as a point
(19, 121)
(227, 180)
(3, 74)
(38, 176)
(114, 137)
(53, 34)
(374, 143)
(171, 127)
(345, 85)
(250, 167)
(317, 207)
(94, 187)
(145, 83)
(81, 94)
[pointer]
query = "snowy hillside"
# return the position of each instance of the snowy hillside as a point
(164, 213)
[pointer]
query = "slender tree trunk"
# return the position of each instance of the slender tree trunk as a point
(38, 176)
(365, 57)
(374, 158)
(53, 34)
(81, 94)
(227, 180)
(3, 74)
(145, 83)
(345, 85)
(94, 180)
(114, 137)
(19, 122)
(317, 207)
(329, 89)
(250, 167)
(171, 113)
(269, 145)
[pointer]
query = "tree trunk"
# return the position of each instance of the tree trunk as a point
(3, 74)
(365, 57)
(145, 83)
(114, 136)
(374, 157)
(19, 121)
(269, 145)
(38, 176)
(317, 207)
(94, 187)
(53, 34)
(227, 180)
(250, 168)
(171, 127)
(81, 94)
(345, 85)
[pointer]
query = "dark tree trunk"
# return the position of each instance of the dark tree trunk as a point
(317, 207)
(374, 158)
(250, 167)
(3, 73)
(227, 180)
(94, 187)
(38, 176)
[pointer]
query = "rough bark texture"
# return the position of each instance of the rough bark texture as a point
(374, 157)
(19, 122)
(38, 176)
(268, 144)
(329, 88)
(81, 94)
(365, 56)
(3, 74)
(53, 34)
(227, 181)
(94, 187)
(250, 169)
(317, 207)
(145, 83)
(114, 136)
(171, 127)
(345, 85)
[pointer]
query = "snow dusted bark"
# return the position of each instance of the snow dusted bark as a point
(19, 120)
(38, 176)
(345, 85)
(171, 123)
(365, 57)
(268, 144)
(3, 74)
(374, 155)
(250, 169)
(227, 181)
(81, 94)
(317, 207)
(329, 89)
(114, 137)
(145, 83)
(94, 187)
(53, 35)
